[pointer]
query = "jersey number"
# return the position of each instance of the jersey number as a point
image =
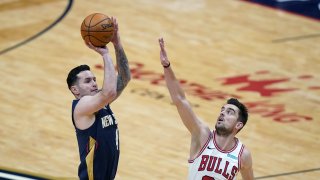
(207, 178)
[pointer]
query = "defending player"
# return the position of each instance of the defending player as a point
(214, 154)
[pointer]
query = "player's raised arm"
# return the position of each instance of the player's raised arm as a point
(124, 75)
(91, 104)
(195, 126)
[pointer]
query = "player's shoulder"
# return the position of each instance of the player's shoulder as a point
(204, 134)
(246, 152)
(246, 157)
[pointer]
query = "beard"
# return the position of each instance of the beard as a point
(222, 130)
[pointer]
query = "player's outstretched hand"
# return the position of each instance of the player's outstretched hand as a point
(163, 54)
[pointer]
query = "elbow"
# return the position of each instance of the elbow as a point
(109, 94)
(113, 94)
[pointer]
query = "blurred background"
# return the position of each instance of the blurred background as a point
(264, 53)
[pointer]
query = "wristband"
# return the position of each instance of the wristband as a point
(166, 66)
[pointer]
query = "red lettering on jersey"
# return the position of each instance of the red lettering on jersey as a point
(225, 174)
(211, 163)
(233, 172)
(207, 178)
(203, 163)
(218, 170)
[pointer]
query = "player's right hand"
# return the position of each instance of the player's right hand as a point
(100, 50)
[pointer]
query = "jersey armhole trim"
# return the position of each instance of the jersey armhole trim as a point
(239, 157)
(202, 149)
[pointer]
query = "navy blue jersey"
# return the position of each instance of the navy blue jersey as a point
(98, 146)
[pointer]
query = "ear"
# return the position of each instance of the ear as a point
(239, 125)
(74, 90)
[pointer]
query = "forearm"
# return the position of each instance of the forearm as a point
(248, 175)
(174, 87)
(184, 108)
(124, 74)
(109, 81)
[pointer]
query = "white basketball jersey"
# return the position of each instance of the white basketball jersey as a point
(213, 163)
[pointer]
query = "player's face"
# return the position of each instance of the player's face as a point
(87, 84)
(227, 119)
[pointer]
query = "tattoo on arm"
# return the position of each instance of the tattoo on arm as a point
(124, 75)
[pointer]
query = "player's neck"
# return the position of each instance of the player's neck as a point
(225, 143)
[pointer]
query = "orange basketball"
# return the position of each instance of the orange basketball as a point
(98, 29)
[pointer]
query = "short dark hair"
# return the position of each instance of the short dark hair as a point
(243, 113)
(73, 74)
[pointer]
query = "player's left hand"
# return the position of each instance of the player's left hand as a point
(116, 37)
(163, 54)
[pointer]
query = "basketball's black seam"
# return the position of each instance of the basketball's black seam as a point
(96, 38)
(84, 22)
(98, 22)
(90, 26)
(97, 31)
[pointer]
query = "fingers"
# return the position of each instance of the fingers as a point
(115, 23)
(161, 43)
(116, 37)
(163, 54)
(89, 45)
(95, 48)
(114, 20)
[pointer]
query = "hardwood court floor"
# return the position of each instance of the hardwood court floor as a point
(218, 48)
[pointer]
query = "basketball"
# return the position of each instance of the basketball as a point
(98, 29)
